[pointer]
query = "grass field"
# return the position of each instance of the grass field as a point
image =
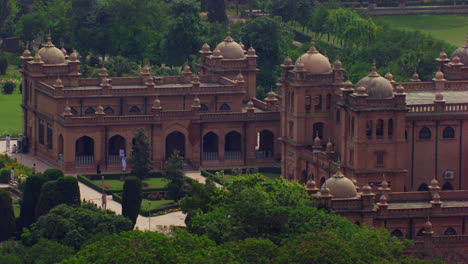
(10, 109)
(16, 207)
(117, 185)
(451, 28)
(147, 205)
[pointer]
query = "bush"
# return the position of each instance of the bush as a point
(7, 216)
(8, 87)
(49, 198)
(68, 186)
(5, 175)
(53, 174)
(131, 198)
(31, 193)
(3, 64)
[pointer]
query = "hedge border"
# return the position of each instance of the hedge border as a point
(212, 173)
(84, 179)
(118, 198)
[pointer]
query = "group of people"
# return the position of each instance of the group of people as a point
(14, 148)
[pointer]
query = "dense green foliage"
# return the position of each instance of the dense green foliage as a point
(3, 64)
(43, 252)
(8, 87)
(65, 190)
(72, 226)
(174, 171)
(216, 11)
(140, 160)
(53, 174)
(31, 192)
(7, 216)
(131, 198)
(70, 191)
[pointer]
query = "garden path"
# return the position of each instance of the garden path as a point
(154, 223)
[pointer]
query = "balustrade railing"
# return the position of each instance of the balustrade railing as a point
(113, 159)
(210, 156)
(264, 154)
(84, 159)
(232, 155)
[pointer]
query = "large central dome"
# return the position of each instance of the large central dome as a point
(377, 86)
(340, 186)
(314, 61)
(230, 49)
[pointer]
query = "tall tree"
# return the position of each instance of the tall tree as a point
(70, 191)
(7, 216)
(216, 11)
(50, 197)
(141, 155)
(131, 198)
(31, 193)
(183, 36)
(174, 171)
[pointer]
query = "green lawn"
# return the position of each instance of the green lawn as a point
(451, 28)
(16, 207)
(269, 177)
(117, 185)
(147, 205)
(10, 109)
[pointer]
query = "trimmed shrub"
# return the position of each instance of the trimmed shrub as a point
(49, 198)
(8, 87)
(7, 216)
(5, 175)
(31, 193)
(53, 174)
(70, 192)
(131, 198)
(3, 64)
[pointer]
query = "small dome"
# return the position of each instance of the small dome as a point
(37, 58)
(361, 90)
(434, 183)
(50, 54)
(26, 53)
(196, 102)
(67, 111)
(58, 83)
(340, 186)
(400, 89)
(217, 53)
(439, 75)
(443, 56)
(271, 97)
(157, 104)
(187, 69)
(415, 77)
(100, 110)
(428, 227)
(73, 56)
(311, 184)
(250, 105)
(456, 60)
(288, 61)
(230, 49)
(240, 77)
(205, 47)
(314, 61)
(377, 86)
(461, 53)
(338, 64)
(389, 77)
(366, 189)
(251, 51)
(196, 79)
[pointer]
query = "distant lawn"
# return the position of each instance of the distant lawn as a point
(451, 28)
(10, 105)
(117, 185)
(268, 176)
(16, 207)
(147, 205)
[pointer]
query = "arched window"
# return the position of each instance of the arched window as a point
(328, 102)
(134, 109)
(73, 111)
(423, 187)
(397, 233)
(318, 105)
(447, 186)
(425, 133)
(369, 128)
(264, 148)
(90, 111)
(84, 150)
(203, 107)
(233, 146)
(390, 128)
(210, 146)
(224, 107)
(108, 110)
(116, 149)
(317, 129)
(449, 132)
(380, 128)
(450, 232)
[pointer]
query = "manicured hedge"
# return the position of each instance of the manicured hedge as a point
(118, 198)
(219, 180)
(94, 185)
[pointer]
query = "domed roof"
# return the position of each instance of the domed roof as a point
(230, 49)
(462, 53)
(377, 87)
(314, 61)
(340, 186)
(50, 54)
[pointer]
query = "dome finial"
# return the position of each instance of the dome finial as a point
(312, 48)
(229, 38)
(374, 72)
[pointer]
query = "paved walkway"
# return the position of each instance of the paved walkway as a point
(154, 223)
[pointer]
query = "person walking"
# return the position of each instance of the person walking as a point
(124, 163)
(104, 201)
(12, 176)
(7, 143)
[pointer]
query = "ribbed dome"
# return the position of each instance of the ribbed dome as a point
(50, 54)
(462, 53)
(230, 49)
(377, 87)
(340, 186)
(314, 61)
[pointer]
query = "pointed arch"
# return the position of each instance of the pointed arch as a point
(447, 186)
(224, 107)
(423, 187)
(420, 232)
(450, 232)
(90, 111)
(210, 146)
(175, 141)
(84, 150)
(265, 144)
(233, 146)
(108, 110)
(425, 133)
(448, 132)
(116, 144)
(397, 233)
(134, 110)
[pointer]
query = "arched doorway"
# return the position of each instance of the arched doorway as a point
(265, 145)
(175, 141)
(60, 148)
(447, 186)
(84, 150)
(210, 146)
(114, 149)
(233, 146)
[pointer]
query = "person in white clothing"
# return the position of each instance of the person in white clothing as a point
(12, 175)
(124, 163)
